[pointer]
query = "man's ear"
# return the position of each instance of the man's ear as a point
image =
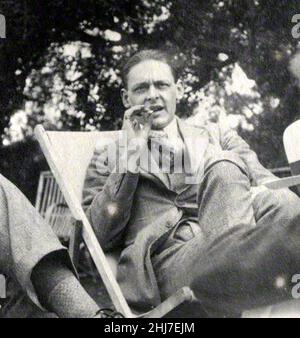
(125, 98)
(179, 90)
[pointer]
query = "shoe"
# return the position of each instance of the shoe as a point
(108, 313)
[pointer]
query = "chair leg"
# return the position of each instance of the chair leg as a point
(75, 239)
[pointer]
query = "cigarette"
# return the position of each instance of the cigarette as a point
(141, 114)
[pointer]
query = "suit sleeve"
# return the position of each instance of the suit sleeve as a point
(230, 140)
(107, 199)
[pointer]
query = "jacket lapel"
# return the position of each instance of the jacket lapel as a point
(150, 169)
(196, 141)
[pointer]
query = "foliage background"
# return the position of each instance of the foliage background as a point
(60, 66)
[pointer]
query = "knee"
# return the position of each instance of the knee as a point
(287, 205)
(226, 172)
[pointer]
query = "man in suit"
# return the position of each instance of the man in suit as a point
(202, 226)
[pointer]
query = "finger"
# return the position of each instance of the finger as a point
(135, 124)
(125, 124)
(149, 120)
(148, 123)
(133, 110)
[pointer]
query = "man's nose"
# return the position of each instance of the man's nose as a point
(152, 93)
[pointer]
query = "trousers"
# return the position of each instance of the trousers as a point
(243, 252)
(25, 238)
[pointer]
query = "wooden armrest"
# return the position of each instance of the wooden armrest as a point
(281, 183)
(184, 294)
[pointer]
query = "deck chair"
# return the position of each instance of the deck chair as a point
(51, 204)
(47, 192)
(68, 155)
(69, 167)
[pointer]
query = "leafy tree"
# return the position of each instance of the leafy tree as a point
(210, 36)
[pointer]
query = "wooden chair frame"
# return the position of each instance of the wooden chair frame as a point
(59, 167)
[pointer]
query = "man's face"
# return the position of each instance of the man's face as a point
(151, 83)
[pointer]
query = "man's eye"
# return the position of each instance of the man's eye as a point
(140, 89)
(163, 85)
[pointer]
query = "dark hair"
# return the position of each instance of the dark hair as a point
(150, 54)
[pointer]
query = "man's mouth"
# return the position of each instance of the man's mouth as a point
(156, 108)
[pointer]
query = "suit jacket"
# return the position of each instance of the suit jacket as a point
(138, 211)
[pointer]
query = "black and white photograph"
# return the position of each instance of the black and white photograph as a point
(150, 161)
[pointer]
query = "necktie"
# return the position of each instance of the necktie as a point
(162, 150)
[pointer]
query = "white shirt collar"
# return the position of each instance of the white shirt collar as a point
(172, 129)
